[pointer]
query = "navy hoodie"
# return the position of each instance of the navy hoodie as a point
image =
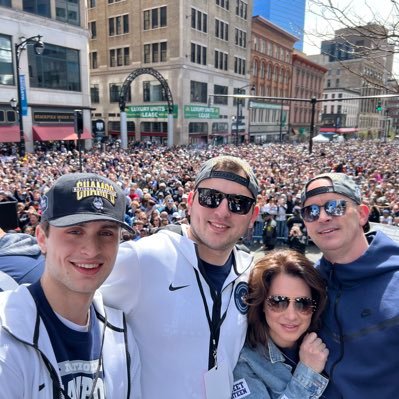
(361, 323)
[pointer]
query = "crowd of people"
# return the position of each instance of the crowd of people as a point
(185, 313)
(157, 180)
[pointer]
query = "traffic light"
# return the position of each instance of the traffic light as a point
(78, 121)
(378, 107)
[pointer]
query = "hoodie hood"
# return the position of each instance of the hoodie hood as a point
(19, 244)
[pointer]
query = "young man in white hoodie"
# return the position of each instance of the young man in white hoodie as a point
(183, 289)
(57, 339)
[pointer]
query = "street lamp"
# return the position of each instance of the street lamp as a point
(239, 109)
(19, 47)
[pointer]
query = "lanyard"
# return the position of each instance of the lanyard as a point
(217, 320)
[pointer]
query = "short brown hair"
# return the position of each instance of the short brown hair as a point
(277, 262)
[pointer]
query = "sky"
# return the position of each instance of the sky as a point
(318, 28)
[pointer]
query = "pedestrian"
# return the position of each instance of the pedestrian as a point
(269, 234)
(183, 288)
(361, 321)
(283, 357)
(57, 339)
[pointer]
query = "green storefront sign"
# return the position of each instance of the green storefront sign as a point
(198, 112)
(149, 111)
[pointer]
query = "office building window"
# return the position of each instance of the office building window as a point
(221, 60)
(95, 94)
(57, 68)
(198, 92)
(38, 7)
(93, 29)
(155, 18)
(68, 11)
(198, 54)
(91, 3)
(114, 93)
(93, 58)
(5, 3)
(223, 3)
(118, 25)
(153, 91)
(241, 9)
(119, 57)
(239, 66)
(199, 20)
(241, 38)
(6, 62)
(221, 29)
(155, 52)
(217, 89)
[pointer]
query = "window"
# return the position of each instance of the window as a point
(57, 68)
(241, 38)
(6, 63)
(114, 92)
(336, 82)
(241, 9)
(155, 52)
(155, 18)
(91, 3)
(221, 29)
(38, 7)
(239, 66)
(93, 60)
(5, 3)
(199, 20)
(339, 109)
(255, 68)
(119, 57)
(198, 54)
(223, 3)
(217, 89)
(118, 25)
(67, 11)
(328, 83)
(153, 91)
(198, 127)
(198, 92)
(93, 29)
(221, 60)
(95, 94)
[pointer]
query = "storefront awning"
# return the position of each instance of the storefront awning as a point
(9, 134)
(346, 130)
(56, 133)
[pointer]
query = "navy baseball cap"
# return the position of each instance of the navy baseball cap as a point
(213, 168)
(340, 184)
(84, 197)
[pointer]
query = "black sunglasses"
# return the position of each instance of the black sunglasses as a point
(279, 303)
(239, 204)
(311, 213)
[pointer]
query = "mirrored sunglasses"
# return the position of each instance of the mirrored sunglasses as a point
(280, 303)
(239, 204)
(311, 213)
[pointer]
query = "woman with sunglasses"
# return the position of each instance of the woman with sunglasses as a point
(283, 356)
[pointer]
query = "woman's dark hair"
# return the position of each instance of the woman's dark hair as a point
(291, 263)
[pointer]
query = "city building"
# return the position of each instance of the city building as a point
(54, 81)
(307, 83)
(187, 51)
(271, 74)
(287, 14)
(359, 60)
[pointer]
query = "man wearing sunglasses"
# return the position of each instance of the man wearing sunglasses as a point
(361, 321)
(183, 288)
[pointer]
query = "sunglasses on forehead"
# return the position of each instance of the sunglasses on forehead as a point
(311, 213)
(239, 204)
(280, 303)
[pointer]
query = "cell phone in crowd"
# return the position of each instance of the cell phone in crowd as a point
(8, 215)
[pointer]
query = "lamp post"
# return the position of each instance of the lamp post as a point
(238, 113)
(19, 47)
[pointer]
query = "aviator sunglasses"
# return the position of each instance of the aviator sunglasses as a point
(311, 213)
(239, 204)
(279, 303)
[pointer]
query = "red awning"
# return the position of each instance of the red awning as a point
(347, 130)
(9, 134)
(56, 133)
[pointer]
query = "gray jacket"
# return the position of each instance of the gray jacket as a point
(262, 374)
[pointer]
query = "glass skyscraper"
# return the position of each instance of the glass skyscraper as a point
(287, 14)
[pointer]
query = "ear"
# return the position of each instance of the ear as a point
(364, 212)
(41, 239)
(255, 214)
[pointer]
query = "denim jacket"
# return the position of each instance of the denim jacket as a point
(261, 374)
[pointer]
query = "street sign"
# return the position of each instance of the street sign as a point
(199, 112)
(149, 111)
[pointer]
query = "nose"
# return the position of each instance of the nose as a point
(290, 313)
(90, 247)
(223, 207)
(324, 216)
